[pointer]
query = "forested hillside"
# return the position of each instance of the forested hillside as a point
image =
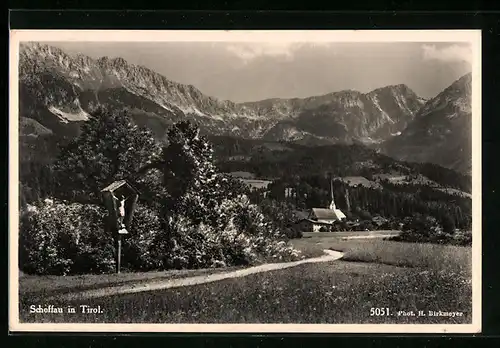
(282, 159)
(376, 184)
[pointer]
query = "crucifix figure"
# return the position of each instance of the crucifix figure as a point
(121, 209)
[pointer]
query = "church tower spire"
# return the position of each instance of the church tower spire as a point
(332, 203)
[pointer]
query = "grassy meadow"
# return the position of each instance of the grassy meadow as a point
(372, 274)
(412, 255)
(34, 288)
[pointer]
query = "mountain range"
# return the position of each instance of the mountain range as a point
(58, 91)
(441, 131)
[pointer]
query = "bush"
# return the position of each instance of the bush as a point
(366, 225)
(391, 224)
(363, 226)
(426, 229)
(240, 236)
(282, 217)
(340, 226)
(462, 238)
(60, 238)
(182, 244)
(138, 245)
(246, 222)
(63, 238)
(293, 232)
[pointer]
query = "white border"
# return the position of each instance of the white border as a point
(470, 36)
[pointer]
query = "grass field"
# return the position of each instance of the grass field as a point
(373, 274)
(427, 256)
(34, 288)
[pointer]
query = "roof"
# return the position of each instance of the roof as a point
(313, 222)
(327, 214)
(255, 183)
(301, 214)
(117, 184)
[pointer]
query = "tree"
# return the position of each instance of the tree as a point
(207, 218)
(195, 187)
(448, 224)
(188, 172)
(281, 215)
(110, 147)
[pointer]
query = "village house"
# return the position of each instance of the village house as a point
(320, 219)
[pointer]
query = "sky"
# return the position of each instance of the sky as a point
(250, 71)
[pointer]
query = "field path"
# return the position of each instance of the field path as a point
(330, 255)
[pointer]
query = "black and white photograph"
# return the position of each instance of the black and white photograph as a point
(245, 181)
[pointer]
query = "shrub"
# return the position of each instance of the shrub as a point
(340, 226)
(364, 226)
(137, 252)
(182, 244)
(282, 216)
(60, 238)
(240, 218)
(241, 235)
(201, 246)
(463, 238)
(426, 229)
(63, 238)
(293, 231)
(391, 224)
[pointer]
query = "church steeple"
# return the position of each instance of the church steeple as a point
(332, 203)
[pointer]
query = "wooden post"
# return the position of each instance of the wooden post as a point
(119, 254)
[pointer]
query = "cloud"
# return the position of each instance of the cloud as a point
(251, 50)
(452, 53)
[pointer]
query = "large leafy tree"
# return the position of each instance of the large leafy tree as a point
(192, 185)
(110, 147)
(190, 176)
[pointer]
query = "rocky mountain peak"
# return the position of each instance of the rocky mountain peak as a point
(452, 101)
(441, 131)
(156, 100)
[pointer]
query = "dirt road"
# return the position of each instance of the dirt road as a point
(353, 234)
(330, 255)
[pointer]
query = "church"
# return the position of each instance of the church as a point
(320, 219)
